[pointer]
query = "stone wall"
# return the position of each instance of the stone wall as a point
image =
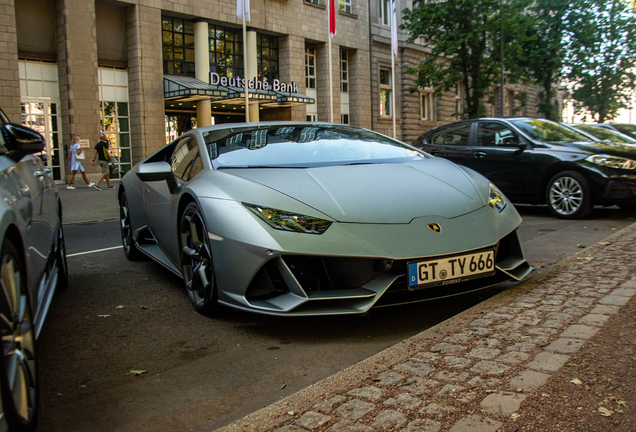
(9, 78)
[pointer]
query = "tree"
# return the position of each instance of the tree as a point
(464, 38)
(601, 57)
(544, 48)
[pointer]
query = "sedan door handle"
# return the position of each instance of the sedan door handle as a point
(47, 170)
(38, 173)
(480, 154)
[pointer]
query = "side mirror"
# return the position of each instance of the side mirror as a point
(157, 171)
(20, 140)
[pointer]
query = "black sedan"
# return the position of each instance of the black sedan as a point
(535, 161)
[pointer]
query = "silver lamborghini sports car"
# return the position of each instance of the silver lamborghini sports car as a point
(315, 218)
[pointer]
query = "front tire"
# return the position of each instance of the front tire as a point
(130, 249)
(196, 261)
(18, 369)
(569, 196)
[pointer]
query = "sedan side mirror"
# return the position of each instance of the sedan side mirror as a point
(20, 140)
(157, 171)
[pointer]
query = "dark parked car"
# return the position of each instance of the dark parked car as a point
(32, 266)
(599, 133)
(536, 161)
(624, 128)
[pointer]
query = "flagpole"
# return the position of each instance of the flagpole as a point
(393, 54)
(329, 5)
(393, 92)
(247, 100)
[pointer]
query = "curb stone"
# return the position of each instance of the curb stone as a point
(545, 317)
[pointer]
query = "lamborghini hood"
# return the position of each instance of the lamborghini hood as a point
(376, 193)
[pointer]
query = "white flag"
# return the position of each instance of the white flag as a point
(394, 39)
(239, 9)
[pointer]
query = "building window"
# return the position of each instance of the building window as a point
(311, 117)
(344, 118)
(344, 71)
(385, 12)
(385, 93)
(267, 49)
(345, 6)
(114, 117)
(316, 2)
(458, 101)
(508, 103)
(178, 46)
(427, 107)
(226, 51)
(310, 68)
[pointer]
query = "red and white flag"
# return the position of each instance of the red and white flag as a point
(239, 9)
(332, 18)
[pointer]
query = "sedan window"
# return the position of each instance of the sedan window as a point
(548, 131)
(493, 134)
(458, 135)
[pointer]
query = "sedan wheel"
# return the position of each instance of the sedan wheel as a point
(196, 261)
(131, 251)
(568, 195)
(18, 381)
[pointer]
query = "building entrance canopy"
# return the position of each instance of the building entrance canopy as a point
(187, 89)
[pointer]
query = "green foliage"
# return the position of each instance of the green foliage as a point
(545, 47)
(602, 54)
(464, 36)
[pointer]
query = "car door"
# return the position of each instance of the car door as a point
(160, 202)
(450, 143)
(504, 157)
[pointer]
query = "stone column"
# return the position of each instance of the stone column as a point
(145, 81)
(252, 71)
(202, 70)
(9, 77)
(360, 111)
(291, 64)
(322, 81)
(77, 70)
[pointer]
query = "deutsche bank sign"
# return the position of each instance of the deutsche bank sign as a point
(276, 85)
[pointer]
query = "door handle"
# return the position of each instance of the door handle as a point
(38, 173)
(480, 154)
(47, 170)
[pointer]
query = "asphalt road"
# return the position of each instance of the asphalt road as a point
(201, 373)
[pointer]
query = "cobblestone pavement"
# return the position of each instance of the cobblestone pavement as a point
(474, 371)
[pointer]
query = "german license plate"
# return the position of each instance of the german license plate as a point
(448, 270)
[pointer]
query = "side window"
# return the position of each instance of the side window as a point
(437, 138)
(458, 135)
(185, 159)
(494, 134)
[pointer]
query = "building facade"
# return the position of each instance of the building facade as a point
(144, 71)
(86, 66)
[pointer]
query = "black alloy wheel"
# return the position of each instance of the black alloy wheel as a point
(568, 195)
(196, 261)
(131, 251)
(18, 369)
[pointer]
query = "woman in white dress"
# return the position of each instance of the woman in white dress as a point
(75, 163)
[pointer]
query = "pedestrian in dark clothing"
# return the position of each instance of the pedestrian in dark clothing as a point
(103, 155)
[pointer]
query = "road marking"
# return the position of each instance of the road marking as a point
(94, 251)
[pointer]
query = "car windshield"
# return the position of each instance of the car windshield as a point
(628, 129)
(303, 146)
(605, 134)
(548, 131)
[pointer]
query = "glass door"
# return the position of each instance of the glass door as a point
(43, 115)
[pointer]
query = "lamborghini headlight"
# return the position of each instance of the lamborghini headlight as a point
(496, 199)
(612, 161)
(287, 221)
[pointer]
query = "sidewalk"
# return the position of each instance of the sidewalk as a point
(88, 205)
(554, 353)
